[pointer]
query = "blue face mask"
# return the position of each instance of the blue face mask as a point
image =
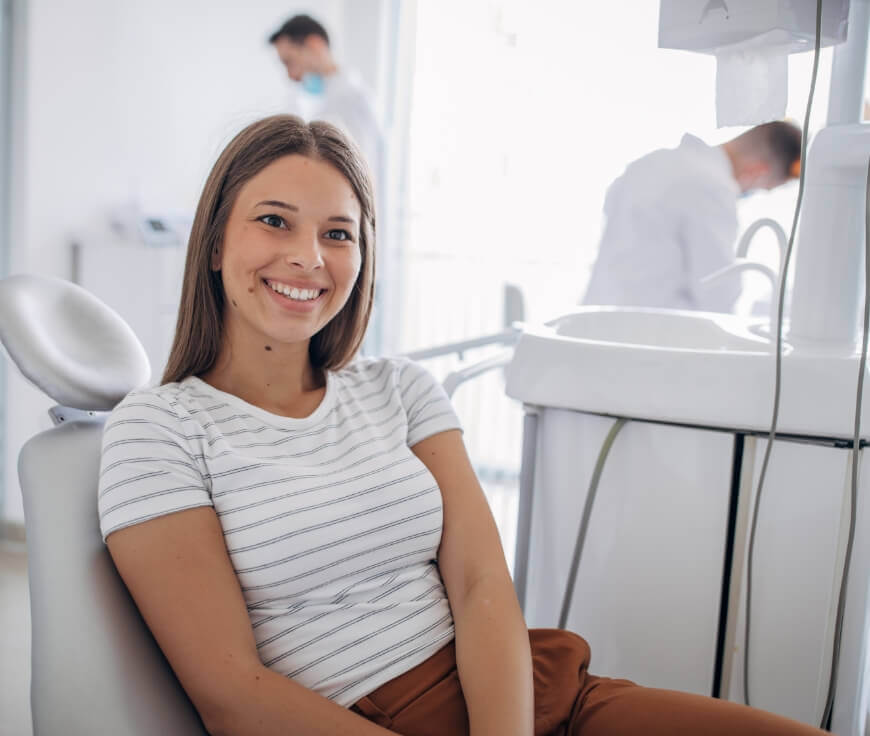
(313, 83)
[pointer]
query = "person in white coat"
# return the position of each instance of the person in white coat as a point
(671, 219)
(328, 92)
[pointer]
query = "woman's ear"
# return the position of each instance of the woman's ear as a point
(216, 259)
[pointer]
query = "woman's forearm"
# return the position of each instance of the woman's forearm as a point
(266, 703)
(494, 660)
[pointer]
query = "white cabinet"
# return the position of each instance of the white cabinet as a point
(669, 535)
(648, 590)
(797, 566)
(141, 283)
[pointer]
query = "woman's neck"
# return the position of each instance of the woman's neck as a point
(273, 376)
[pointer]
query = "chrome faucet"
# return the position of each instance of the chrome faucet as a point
(749, 234)
(742, 263)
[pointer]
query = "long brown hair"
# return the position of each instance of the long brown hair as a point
(200, 315)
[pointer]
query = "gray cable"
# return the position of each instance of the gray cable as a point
(856, 448)
(584, 520)
(778, 379)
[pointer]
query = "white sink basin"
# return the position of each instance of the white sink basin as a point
(663, 329)
(698, 368)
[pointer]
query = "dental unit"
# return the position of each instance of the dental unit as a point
(691, 494)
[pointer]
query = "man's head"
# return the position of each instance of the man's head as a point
(302, 45)
(765, 156)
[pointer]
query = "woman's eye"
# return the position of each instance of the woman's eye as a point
(338, 235)
(272, 220)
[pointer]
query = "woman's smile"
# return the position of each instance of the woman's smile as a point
(294, 296)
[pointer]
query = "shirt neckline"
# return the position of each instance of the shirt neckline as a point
(279, 420)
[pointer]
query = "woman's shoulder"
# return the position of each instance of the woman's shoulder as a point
(424, 401)
(390, 371)
(405, 380)
(167, 401)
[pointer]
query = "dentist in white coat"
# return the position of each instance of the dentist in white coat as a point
(671, 219)
(328, 92)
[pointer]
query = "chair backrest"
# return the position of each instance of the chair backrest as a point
(95, 667)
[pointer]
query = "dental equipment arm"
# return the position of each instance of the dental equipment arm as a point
(828, 261)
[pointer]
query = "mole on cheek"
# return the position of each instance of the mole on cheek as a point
(234, 302)
(250, 289)
(268, 347)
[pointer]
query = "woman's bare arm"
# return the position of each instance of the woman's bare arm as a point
(180, 575)
(492, 643)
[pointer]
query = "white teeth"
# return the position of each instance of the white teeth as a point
(292, 292)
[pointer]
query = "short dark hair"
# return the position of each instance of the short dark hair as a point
(780, 143)
(298, 28)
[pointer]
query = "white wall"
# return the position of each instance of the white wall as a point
(133, 100)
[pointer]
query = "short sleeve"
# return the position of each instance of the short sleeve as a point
(148, 467)
(426, 404)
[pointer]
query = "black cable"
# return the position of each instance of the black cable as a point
(778, 379)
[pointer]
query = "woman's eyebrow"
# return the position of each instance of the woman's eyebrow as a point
(278, 203)
(342, 218)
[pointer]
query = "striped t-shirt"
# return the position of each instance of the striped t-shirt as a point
(331, 522)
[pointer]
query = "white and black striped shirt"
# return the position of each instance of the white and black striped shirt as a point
(331, 522)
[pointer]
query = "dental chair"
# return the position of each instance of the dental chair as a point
(95, 667)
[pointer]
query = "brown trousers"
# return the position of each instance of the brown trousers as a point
(428, 701)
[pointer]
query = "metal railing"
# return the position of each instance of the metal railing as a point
(506, 337)
(500, 481)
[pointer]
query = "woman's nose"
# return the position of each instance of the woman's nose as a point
(305, 253)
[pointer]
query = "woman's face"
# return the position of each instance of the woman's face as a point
(290, 254)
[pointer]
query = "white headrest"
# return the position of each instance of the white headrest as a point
(68, 343)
